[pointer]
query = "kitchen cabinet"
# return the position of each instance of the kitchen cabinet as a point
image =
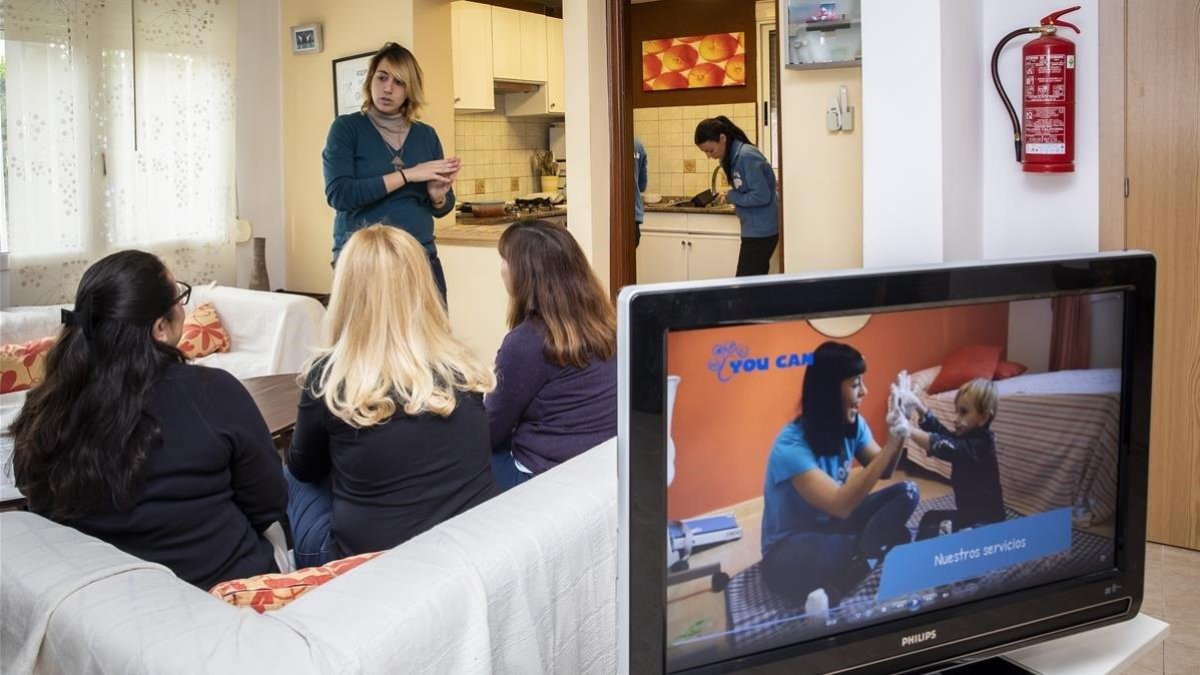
(518, 45)
(662, 256)
(471, 40)
(690, 246)
(550, 98)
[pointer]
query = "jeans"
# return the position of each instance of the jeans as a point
(504, 466)
(439, 277)
(835, 557)
(754, 257)
(310, 512)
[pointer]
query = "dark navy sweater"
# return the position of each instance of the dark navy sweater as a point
(546, 413)
(974, 473)
(356, 158)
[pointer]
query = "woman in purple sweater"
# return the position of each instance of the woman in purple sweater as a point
(556, 371)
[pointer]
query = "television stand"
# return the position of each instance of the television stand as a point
(1109, 649)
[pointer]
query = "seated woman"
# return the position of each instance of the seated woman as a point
(123, 441)
(556, 371)
(391, 437)
(822, 524)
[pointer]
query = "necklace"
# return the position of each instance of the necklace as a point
(397, 150)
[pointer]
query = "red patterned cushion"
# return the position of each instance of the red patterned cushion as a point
(203, 333)
(1007, 369)
(966, 364)
(23, 365)
(272, 591)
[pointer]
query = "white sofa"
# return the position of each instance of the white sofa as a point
(524, 583)
(269, 333)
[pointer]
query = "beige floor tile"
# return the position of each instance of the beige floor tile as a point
(1149, 664)
(1181, 660)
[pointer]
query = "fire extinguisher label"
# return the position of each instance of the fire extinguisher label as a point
(1046, 78)
(1070, 62)
(1046, 131)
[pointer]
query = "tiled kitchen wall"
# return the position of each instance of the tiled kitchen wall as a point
(676, 166)
(497, 154)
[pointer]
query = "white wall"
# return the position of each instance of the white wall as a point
(1029, 326)
(589, 129)
(1108, 320)
(939, 176)
(259, 135)
(902, 116)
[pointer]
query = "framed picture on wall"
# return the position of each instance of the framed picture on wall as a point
(349, 74)
(306, 39)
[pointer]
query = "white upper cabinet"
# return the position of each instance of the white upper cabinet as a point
(471, 40)
(556, 90)
(518, 45)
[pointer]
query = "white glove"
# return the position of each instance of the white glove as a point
(906, 399)
(897, 421)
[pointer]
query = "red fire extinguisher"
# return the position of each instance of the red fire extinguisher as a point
(1044, 135)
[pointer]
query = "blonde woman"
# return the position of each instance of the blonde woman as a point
(382, 165)
(391, 435)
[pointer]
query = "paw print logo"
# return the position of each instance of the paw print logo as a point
(722, 354)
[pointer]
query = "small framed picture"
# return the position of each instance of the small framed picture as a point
(306, 39)
(349, 74)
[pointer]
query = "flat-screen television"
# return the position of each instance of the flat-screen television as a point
(881, 470)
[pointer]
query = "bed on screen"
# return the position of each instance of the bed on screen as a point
(1056, 439)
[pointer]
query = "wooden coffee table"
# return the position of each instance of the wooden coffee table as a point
(276, 397)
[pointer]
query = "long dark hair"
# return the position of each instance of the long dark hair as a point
(552, 280)
(822, 416)
(711, 130)
(83, 434)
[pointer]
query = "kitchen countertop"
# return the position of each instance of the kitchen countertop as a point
(666, 206)
(470, 230)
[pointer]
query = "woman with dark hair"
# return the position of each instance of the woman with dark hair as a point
(556, 371)
(382, 165)
(752, 190)
(822, 524)
(123, 441)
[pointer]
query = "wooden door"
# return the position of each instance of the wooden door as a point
(1162, 215)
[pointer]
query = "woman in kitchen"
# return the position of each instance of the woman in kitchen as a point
(382, 165)
(752, 190)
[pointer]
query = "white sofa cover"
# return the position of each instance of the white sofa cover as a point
(525, 583)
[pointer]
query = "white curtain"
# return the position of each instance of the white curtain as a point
(120, 131)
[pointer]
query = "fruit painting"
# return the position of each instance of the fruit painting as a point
(694, 62)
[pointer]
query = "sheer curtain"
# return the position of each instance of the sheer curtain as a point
(120, 131)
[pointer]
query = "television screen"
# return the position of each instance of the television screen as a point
(889, 459)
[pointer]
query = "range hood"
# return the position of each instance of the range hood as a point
(514, 87)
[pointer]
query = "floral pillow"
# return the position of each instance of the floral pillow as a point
(272, 591)
(23, 365)
(203, 333)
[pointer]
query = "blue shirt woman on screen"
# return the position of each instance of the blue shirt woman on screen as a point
(382, 165)
(822, 525)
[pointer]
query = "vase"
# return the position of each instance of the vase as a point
(549, 183)
(258, 266)
(672, 385)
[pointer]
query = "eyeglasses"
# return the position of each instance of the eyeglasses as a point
(185, 292)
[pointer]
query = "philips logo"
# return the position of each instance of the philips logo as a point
(918, 638)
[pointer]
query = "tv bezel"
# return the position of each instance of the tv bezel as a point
(967, 632)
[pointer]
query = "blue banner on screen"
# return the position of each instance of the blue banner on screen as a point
(973, 553)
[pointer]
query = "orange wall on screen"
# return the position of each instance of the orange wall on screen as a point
(723, 431)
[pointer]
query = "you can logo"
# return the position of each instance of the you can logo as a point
(730, 358)
(917, 638)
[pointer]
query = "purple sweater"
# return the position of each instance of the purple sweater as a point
(548, 414)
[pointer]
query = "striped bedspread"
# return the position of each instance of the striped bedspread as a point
(1056, 441)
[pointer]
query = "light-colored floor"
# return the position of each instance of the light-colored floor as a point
(1172, 591)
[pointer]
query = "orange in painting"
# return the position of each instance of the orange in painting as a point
(651, 67)
(718, 47)
(669, 80)
(706, 75)
(736, 68)
(655, 46)
(680, 57)
(691, 38)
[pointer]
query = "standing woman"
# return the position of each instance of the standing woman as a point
(556, 371)
(752, 190)
(384, 166)
(126, 442)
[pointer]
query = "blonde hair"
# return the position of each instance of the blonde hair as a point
(404, 68)
(387, 336)
(981, 395)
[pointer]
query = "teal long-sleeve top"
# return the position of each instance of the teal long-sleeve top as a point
(356, 158)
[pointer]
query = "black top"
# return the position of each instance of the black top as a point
(397, 479)
(975, 473)
(211, 487)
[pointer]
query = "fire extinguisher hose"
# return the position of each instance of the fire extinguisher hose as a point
(1012, 114)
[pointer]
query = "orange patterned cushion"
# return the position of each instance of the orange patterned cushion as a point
(23, 365)
(272, 591)
(203, 333)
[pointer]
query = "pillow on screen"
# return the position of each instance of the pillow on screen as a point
(272, 591)
(203, 333)
(1007, 369)
(965, 364)
(923, 378)
(23, 365)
